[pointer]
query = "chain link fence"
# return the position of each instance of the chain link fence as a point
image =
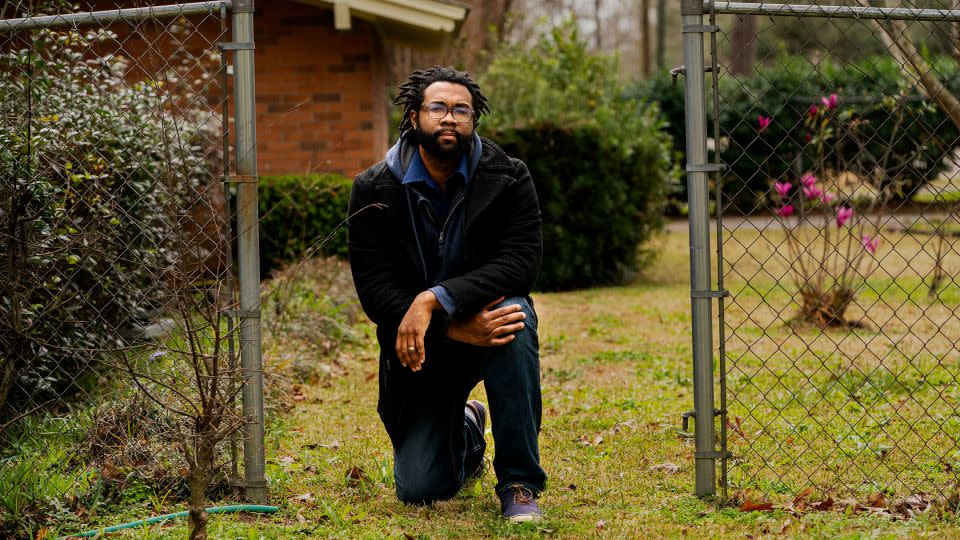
(119, 341)
(833, 164)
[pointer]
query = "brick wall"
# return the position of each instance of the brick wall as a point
(321, 93)
(321, 103)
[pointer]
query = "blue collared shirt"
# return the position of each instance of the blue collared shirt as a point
(441, 201)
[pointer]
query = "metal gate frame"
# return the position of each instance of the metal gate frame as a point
(245, 178)
(698, 170)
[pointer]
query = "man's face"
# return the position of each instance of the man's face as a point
(443, 137)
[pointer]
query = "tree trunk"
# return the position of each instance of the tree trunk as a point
(743, 45)
(905, 52)
(199, 479)
(6, 379)
(953, 34)
(598, 34)
(661, 34)
(645, 37)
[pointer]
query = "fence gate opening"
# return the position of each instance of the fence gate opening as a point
(825, 139)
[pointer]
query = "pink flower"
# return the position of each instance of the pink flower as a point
(783, 188)
(829, 102)
(764, 121)
(808, 180)
(826, 198)
(785, 210)
(812, 111)
(812, 192)
(870, 244)
(844, 213)
(808, 137)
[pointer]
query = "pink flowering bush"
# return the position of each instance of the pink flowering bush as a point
(831, 227)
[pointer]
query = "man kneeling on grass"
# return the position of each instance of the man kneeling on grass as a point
(445, 247)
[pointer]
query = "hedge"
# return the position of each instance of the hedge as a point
(297, 213)
(599, 203)
(866, 91)
(600, 160)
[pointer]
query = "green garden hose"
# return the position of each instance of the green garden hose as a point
(214, 510)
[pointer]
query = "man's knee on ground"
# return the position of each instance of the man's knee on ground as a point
(424, 491)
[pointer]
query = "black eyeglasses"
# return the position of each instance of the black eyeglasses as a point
(438, 110)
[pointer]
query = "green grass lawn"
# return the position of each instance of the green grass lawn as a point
(846, 413)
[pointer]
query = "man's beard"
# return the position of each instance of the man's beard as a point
(431, 142)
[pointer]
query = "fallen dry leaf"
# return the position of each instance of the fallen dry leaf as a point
(303, 497)
(355, 475)
(111, 471)
(877, 500)
(669, 468)
(751, 506)
(852, 504)
(334, 445)
(823, 505)
(802, 496)
(601, 525)
(914, 505)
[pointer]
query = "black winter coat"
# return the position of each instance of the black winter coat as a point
(502, 243)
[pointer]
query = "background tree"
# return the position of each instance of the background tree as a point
(484, 25)
(743, 45)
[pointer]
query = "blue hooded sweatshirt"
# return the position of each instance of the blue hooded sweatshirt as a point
(439, 227)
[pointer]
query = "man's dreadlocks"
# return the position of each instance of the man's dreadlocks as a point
(411, 92)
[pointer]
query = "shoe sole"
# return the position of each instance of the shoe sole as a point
(524, 518)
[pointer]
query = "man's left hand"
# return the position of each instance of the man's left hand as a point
(413, 328)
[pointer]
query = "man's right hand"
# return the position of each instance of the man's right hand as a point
(489, 327)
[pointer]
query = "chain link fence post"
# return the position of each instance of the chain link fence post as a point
(248, 244)
(700, 293)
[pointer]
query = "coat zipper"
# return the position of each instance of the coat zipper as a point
(416, 236)
(443, 230)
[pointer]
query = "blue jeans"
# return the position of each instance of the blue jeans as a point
(435, 447)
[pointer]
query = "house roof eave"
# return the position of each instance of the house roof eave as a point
(431, 22)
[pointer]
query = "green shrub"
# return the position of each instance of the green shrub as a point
(866, 89)
(598, 204)
(297, 213)
(87, 173)
(660, 89)
(600, 159)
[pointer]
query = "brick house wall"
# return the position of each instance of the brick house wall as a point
(321, 93)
